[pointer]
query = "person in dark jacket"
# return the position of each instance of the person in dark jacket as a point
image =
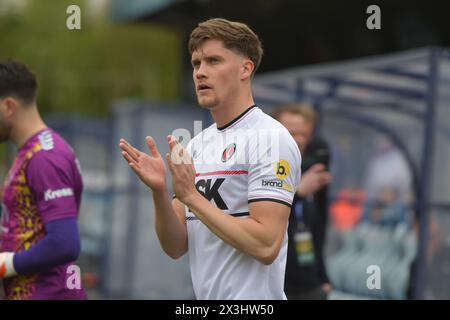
(306, 276)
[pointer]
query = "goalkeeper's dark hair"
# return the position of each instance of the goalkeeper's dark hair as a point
(18, 81)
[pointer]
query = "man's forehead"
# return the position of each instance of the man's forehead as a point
(209, 48)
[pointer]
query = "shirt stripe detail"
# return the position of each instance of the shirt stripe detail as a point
(239, 214)
(271, 199)
(223, 172)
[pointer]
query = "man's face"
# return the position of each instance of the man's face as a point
(216, 73)
(300, 129)
(5, 125)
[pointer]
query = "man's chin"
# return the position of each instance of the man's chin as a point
(206, 104)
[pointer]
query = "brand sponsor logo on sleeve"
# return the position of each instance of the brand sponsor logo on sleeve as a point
(55, 194)
(281, 169)
(278, 184)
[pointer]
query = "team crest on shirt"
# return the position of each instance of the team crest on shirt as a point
(228, 152)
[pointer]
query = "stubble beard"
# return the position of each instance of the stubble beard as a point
(208, 104)
(5, 131)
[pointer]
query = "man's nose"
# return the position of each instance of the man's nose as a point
(200, 72)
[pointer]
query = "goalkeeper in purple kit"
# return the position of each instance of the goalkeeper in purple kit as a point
(41, 195)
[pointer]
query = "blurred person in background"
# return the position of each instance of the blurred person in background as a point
(306, 277)
(387, 209)
(348, 208)
(387, 168)
(233, 196)
(39, 237)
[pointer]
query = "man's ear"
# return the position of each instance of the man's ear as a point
(10, 107)
(247, 69)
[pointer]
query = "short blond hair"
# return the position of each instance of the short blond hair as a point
(304, 110)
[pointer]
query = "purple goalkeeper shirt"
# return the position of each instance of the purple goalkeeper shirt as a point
(44, 184)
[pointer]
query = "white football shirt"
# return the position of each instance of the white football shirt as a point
(253, 158)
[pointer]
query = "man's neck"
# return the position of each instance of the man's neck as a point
(26, 128)
(227, 113)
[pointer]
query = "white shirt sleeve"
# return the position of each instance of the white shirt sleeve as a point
(275, 174)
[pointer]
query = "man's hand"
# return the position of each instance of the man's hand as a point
(6, 265)
(149, 168)
(182, 169)
(314, 179)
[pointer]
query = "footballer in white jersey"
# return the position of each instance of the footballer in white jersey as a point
(253, 158)
(234, 183)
